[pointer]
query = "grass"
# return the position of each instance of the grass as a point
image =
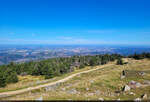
(24, 81)
(106, 80)
(29, 80)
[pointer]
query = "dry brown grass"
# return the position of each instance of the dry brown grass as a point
(106, 80)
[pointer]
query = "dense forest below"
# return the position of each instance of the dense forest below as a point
(58, 66)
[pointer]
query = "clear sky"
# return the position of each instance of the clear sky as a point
(75, 22)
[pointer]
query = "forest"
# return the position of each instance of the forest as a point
(58, 66)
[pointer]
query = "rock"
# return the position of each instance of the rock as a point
(146, 82)
(68, 85)
(91, 81)
(51, 88)
(137, 85)
(126, 88)
(87, 89)
(101, 99)
(23, 74)
(63, 89)
(144, 96)
(97, 92)
(137, 99)
(118, 99)
(122, 77)
(131, 93)
(72, 91)
(90, 94)
(141, 73)
(40, 98)
(133, 84)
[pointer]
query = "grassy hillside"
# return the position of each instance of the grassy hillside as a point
(103, 83)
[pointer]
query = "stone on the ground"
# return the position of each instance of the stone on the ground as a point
(40, 98)
(63, 89)
(118, 99)
(87, 89)
(72, 91)
(131, 93)
(137, 99)
(51, 88)
(97, 92)
(90, 94)
(144, 96)
(146, 82)
(141, 73)
(101, 99)
(91, 81)
(126, 88)
(133, 84)
(122, 77)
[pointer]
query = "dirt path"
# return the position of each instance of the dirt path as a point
(10, 93)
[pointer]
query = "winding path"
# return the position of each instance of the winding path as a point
(10, 93)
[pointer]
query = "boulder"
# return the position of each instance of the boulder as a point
(126, 88)
(63, 89)
(131, 93)
(133, 84)
(40, 98)
(137, 99)
(72, 91)
(122, 76)
(90, 94)
(118, 99)
(87, 89)
(141, 73)
(50, 88)
(101, 99)
(146, 82)
(91, 81)
(144, 96)
(97, 92)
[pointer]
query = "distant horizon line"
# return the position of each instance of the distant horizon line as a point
(78, 44)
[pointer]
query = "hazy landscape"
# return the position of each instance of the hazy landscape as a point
(75, 50)
(25, 53)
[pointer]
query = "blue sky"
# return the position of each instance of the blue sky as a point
(75, 22)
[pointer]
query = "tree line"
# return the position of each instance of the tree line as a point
(56, 66)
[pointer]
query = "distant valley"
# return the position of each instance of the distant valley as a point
(25, 53)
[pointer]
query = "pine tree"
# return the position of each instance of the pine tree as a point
(2, 80)
(119, 61)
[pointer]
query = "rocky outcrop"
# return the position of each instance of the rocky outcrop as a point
(133, 84)
(144, 96)
(131, 93)
(73, 91)
(142, 73)
(122, 76)
(126, 88)
(40, 98)
(146, 82)
(101, 99)
(137, 99)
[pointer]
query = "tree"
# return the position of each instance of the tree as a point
(12, 78)
(119, 61)
(2, 80)
(50, 74)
